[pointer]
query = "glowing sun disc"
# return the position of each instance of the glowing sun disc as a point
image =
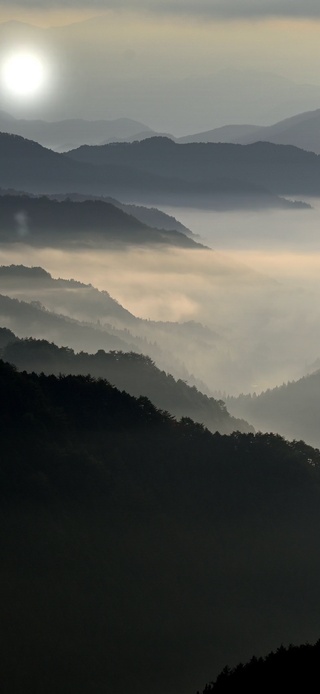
(23, 74)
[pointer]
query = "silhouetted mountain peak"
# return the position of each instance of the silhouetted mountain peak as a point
(11, 144)
(19, 271)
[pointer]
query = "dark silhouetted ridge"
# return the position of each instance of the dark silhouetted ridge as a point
(295, 668)
(42, 220)
(135, 373)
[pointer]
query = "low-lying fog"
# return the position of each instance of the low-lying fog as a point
(258, 289)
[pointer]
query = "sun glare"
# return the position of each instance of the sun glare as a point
(23, 75)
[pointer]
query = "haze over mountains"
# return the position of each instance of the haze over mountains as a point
(132, 372)
(78, 315)
(292, 409)
(158, 170)
(197, 97)
(69, 133)
(108, 326)
(301, 130)
(205, 351)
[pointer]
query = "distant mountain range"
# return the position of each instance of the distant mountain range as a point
(69, 133)
(158, 171)
(214, 168)
(291, 409)
(302, 130)
(256, 96)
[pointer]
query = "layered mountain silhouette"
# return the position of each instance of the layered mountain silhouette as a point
(75, 299)
(291, 409)
(34, 319)
(65, 134)
(30, 167)
(216, 167)
(200, 354)
(134, 373)
(157, 171)
(196, 348)
(71, 313)
(225, 133)
(44, 221)
(150, 216)
(301, 130)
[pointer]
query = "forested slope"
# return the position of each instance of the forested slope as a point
(135, 373)
(291, 409)
(140, 554)
(295, 668)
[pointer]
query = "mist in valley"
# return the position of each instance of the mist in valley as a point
(255, 292)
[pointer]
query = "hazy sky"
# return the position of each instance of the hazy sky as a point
(212, 8)
(163, 62)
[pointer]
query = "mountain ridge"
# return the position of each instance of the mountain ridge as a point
(301, 130)
(72, 132)
(290, 409)
(158, 171)
(49, 221)
(264, 165)
(131, 372)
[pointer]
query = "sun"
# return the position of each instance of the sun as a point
(23, 75)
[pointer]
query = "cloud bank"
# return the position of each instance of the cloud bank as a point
(217, 9)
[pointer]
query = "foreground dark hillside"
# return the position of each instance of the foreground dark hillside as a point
(135, 373)
(140, 554)
(289, 669)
